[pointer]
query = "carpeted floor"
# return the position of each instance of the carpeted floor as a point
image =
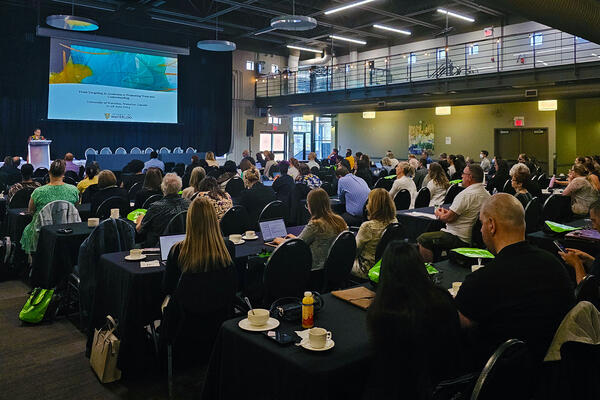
(47, 362)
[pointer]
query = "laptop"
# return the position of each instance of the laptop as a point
(166, 242)
(272, 229)
(276, 174)
(378, 165)
(258, 165)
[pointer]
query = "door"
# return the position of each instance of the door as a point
(510, 142)
(507, 144)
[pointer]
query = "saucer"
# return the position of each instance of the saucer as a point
(134, 258)
(250, 237)
(272, 323)
(240, 242)
(306, 344)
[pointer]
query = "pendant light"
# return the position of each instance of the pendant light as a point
(293, 22)
(216, 45)
(72, 22)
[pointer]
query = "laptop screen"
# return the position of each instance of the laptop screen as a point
(378, 165)
(272, 229)
(166, 242)
(276, 174)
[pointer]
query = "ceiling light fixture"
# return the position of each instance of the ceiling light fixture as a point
(216, 45)
(455, 15)
(290, 46)
(369, 114)
(547, 105)
(444, 110)
(72, 22)
(345, 39)
(389, 28)
(347, 6)
(293, 22)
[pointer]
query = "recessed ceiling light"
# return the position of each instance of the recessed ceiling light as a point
(347, 6)
(389, 28)
(347, 39)
(455, 15)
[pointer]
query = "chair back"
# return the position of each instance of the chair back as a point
(234, 221)
(507, 374)
(135, 150)
(274, 210)
(423, 198)
(384, 184)
(557, 208)
(21, 198)
(104, 208)
(106, 150)
(340, 259)
(151, 199)
(148, 150)
(580, 367)
(73, 175)
(40, 172)
(86, 197)
(177, 224)
(453, 190)
(177, 150)
(69, 180)
(288, 270)
(58, 212)
(136, 187)
(507, 187)
(533, 212)
(394, 231)
(588, 290)
(164, 150)
(476, 236)
(89, 151)
(543, 181)
(402, 200)
(120, 150)
(235, 186)
(328, 187)
(190, 150)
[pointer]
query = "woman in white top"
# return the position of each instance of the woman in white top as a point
(581, 190)
(294, 169)
(404, 181)
(451, 167)
(210, 159)
(438, 184)
(312, 160)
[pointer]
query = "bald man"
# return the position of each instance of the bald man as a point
(70, 166)
(524, 293)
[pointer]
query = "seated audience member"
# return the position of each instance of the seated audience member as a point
(229, 171)
(403, 181)
(312, 160)
(438, 185)
(107, 187)
(485, 163)
(386, 164)
(154, 162)
(393, 160)
(414, 163)
(425, 154)
(582, 262)
(420, 174)
(188, 170)
(524, 159)
(350, 159)
(443, 161)
(56, 189)
(244, 166)
(160, 212)
(581, 190)
(260, 159)
(135, 175)
(322, 228)
(294, 168)
(496, 182)
(413, 320)
(284, 184)
(151, 187)
(221, 201)
(381, 212)
(459, 218)
(70, 165)
(27, 182)
(592, 173)
(518, 180)
(210, 159)
(257, 196)
(9, 174)
(270, 161)
(451, 170)
(91, 177)
(531, 186)
(342, 162)
(459, 165)
(524, 293)
(353, 191)
(198, 174)
(363, 170)
(246, 156)
(334, 157)
(307, 178)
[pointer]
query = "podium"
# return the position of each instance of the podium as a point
(39, 153)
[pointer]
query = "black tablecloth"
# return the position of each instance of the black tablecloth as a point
(248, 365)
(253, 247)
(16, 221)
(57, 253)
(132, 295)
(415, 225)
(545, 240)
(451, 272)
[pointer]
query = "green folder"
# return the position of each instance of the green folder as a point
(560, 228)
(473, 253)
(132, 216)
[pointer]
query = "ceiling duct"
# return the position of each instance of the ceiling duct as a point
(315, 61)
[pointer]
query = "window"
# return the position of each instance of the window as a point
(441, 54)
(536, 39)
(274, 142)
(473, 49)
(412, 58)
(249, 65)
(274, 68)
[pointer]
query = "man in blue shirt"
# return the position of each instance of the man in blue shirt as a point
(154, 162)
(354, 191)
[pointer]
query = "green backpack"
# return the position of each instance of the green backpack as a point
(34, 309)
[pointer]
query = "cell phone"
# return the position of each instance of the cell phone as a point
(282, 337)
(65, 230)
(560, 246)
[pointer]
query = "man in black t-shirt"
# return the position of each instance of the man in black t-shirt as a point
(524, 293)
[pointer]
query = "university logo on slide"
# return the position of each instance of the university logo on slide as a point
(107, 115)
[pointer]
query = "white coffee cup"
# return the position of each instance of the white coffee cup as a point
(135, 253)
(250, 234)
(318, 337)
(258, 316)
(235, 238)
(114, 213)
(475, 267)
(456, 286)
(92, 222)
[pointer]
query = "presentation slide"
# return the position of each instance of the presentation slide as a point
(95, 84)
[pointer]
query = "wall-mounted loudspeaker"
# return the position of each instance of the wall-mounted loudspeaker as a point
(250, 127)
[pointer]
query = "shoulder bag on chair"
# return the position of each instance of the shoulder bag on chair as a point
(105, 351)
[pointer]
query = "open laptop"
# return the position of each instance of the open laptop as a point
(378, 165)
(271, 230)
(166, 242)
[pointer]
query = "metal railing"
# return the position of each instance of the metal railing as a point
(532, 50)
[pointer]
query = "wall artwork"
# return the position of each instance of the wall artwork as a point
(420, 137)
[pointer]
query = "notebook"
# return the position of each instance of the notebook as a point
(272, 229)
(166, 242)
(359, 296)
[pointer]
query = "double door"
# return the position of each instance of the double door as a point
(510, 142)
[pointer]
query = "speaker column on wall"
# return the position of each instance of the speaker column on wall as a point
(250, 127)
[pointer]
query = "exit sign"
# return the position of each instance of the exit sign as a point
(519, 121)
(487, 32)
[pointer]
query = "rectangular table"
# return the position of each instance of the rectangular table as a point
(116, 162)
(545, 240)
(451, 272)
(416, 225)
(253, 247)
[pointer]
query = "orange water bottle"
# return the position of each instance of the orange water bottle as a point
(308, 310)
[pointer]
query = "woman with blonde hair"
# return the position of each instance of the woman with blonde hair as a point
(581, 190)
(294, 169)
(198, 174)
(381, 212)
(438, 184)
(404, 171)
(312, 160)
(257, 195)
(270, 161)
(210, 159)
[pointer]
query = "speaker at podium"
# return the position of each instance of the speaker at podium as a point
(39, 153)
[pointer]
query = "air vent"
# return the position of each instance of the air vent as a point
(531, 93)
(381, 104)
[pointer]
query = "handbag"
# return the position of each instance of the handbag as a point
(35, 308)
(105, 351)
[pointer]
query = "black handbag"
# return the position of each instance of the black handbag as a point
(290, 308)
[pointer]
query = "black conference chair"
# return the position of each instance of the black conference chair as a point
(338, 265)
(288, 271)
(557, 208)
(423, 198)
(177, 224)
(21, 198)
(235, 186)
(274, 210)
(73, 175)
(402, 200)
(543, 181)
(69, 181)
(580, 368)
(507, 374)
(533, 212)
(104, 208)
(136, 187)
(453, 190)
(476, 236)
(86, 197)
(152, 199)
(588, 290)
(507, 188)
(384, 184)
(394, 231)
(328, 187)
(40, 172)
(234, 221)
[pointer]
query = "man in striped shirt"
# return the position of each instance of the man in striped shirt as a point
(354, 191)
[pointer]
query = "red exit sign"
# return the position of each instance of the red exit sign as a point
(519, 121)
(487, 32)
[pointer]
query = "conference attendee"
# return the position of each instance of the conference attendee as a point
(525, 159)
(134, 175)
(393, 160)
(342, 162)
(425, 155)
(350, 159)
(107, 188)
(518, 180)
(580, 190)
(438, 185)
(386, 164)
(257, 195)
(198, 174)
(414, 163)
(592, 173)
(353, 191)
(246, 156)
(221, 200)
(421, 173)
(210, 159)
(284, 184)
(151, 187)
(154, 162)
(9, 174)
(495, 184)
(312, 160)
(404, 181)
(70, 165)
(443, 161)
(55, 190)
(152, 225)
(459, 164)
(195, 162)
(260, 159)
(308, 178)
(485, 163)
(381, 212)
(270, 161)
(363, 170)
(244, 166)
(451, 167)
(413, 320)
(91, 177)
(333, 157)
(523, 293)
(229, 171)
(294, 168)
(26, 182)
(582, 262)
(37, 135)
(459, 218)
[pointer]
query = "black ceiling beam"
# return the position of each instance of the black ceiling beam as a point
(479, 7)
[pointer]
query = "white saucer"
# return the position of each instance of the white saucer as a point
(250, 237)
(240, 242)
(134, 258)
(272, 323)
(306, 344)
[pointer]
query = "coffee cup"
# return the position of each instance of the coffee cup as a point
(92, 222)
(456, 286)
(318, 337)
(235, 238)
(114, 213)
(475, 267)
(250, 234)
(135, 253)
(258, 316)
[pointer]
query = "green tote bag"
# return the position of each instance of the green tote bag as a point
(34, 309)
